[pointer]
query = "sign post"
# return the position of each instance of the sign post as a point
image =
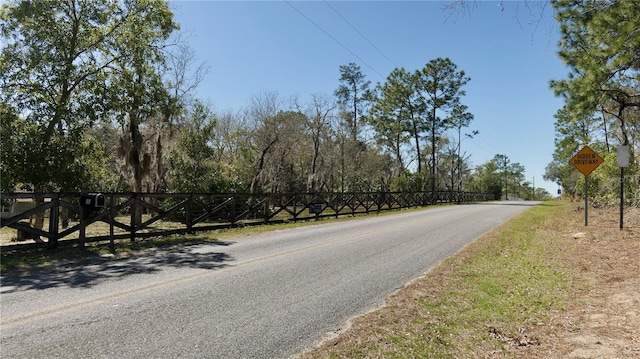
(622, 161)
(586, 160)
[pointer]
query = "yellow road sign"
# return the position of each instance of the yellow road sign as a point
(586, 160)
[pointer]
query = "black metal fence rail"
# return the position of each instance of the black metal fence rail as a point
(142, 215)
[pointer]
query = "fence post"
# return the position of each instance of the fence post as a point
(266, 213)
(232, 215)
(112, 218)
(188, 214)
(134, 223)
(54, 221)
(295, 204)
(365, 202)
(83, 219)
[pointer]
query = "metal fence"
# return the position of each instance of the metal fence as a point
(75, 218)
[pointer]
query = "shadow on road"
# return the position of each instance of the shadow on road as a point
(78, 275)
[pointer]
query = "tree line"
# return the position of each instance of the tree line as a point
(102, 94)
(600, 44)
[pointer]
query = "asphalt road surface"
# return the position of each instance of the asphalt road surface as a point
(262, 296)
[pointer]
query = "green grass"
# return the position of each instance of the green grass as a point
(479, 301)
(509, 282)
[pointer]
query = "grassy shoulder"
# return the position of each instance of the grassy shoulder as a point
(480, 302)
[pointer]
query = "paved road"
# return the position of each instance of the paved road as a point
(262, 296)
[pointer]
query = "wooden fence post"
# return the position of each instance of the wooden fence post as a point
(54, 214)
(82, 233)
(134, 217)
(112, 218)
(188, 214)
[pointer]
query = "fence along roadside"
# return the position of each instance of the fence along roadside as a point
(76, 219)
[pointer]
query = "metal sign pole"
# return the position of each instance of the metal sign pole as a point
(586, 160)
(586, 200)
(621, 197)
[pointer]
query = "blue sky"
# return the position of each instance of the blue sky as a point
(508, 49)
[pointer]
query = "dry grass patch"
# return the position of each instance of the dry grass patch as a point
(603, 318)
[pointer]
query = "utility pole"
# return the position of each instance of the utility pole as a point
(533, 196)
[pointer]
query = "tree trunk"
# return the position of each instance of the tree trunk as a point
(433, 153)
